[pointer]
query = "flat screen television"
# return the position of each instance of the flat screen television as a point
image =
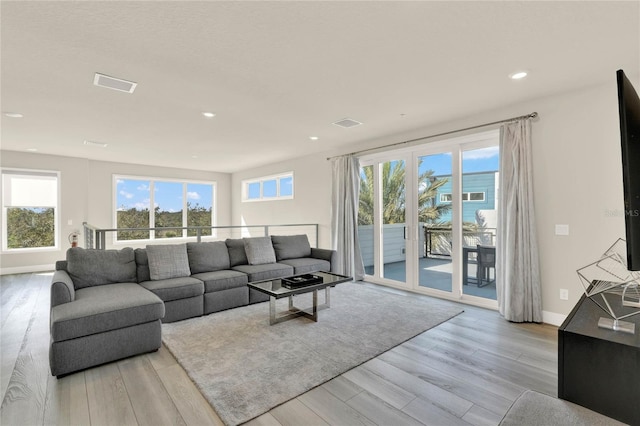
(629, 111)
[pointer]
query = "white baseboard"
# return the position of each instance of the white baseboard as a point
(27, 269)
(553, 318)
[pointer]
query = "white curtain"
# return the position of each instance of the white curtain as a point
(517, 267)
(344, 216)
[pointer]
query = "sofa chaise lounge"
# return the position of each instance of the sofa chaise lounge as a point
(109, 304)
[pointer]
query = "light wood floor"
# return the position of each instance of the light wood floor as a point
(466, 371)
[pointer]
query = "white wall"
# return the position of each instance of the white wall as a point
(86, 191)
(577, 181)
(311, 203)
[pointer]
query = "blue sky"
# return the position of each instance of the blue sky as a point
(167, 195)
(477, 160)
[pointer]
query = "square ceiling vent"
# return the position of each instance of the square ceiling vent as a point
(114, 83)
(347, 122)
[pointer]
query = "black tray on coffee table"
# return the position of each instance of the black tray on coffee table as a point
(301, 280)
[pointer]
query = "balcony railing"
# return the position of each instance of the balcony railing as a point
(438, 240)
(95, 237)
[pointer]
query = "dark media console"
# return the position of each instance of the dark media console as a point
(599, 368)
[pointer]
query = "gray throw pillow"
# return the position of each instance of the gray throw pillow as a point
(237, 255)
(142, 265)
(291, 246)
(89, 267)
(207, 257)
(259, 250)
(168, 261)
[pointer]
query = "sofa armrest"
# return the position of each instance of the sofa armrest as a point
(61, 265)
(62, 290)
(330, 256)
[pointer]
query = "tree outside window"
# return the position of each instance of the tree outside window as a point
(393, 202)
(175, 205)
(30, 203)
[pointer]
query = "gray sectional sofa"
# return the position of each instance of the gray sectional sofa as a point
(109, 304)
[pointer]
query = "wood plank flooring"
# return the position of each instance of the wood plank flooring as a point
(466, 371)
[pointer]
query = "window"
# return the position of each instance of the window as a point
(466, 196)
(278, 187)
(29, 209)
(474, 196)
(176, 204)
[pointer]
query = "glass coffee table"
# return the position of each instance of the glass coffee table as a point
(287, 287)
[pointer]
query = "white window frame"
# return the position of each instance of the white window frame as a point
(261, 181)
(152, 182)
(466, 196)
(56, 212)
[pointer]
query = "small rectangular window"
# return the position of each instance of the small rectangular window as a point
(466, 196)
(286, 186)
(253, 192)
(270, 188)
(278, 187)
(29, 209)
(476, 196)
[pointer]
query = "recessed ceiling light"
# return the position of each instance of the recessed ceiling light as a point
(13, 114)
(518, 75)
(32, 149)
(208, 114)
(313, 138)
(98, 144)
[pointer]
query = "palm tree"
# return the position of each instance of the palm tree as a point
(393, 195)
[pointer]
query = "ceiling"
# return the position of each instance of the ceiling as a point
(276, 73)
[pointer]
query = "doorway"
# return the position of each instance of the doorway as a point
(425, 214)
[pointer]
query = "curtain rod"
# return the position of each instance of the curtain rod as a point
(508, 120)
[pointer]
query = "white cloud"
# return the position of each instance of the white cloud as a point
(144, 204)
(143, 187)
(193, 196)
(126, 194)
(481, 154)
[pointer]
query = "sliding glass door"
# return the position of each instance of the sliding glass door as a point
(435, 208)
(428, 217)
(480, 185)
(382, 219)
(393, 218)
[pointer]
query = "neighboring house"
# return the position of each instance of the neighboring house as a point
(479, 192)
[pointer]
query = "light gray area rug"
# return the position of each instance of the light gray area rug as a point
(536, 409)
(244, 367)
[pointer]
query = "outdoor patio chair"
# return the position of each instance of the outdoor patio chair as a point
(486, 261)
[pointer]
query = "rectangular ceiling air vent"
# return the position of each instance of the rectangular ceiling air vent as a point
(114, 83)
(347, 122)
(98, 144)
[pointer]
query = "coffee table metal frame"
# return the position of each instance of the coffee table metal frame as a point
(276, 290)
